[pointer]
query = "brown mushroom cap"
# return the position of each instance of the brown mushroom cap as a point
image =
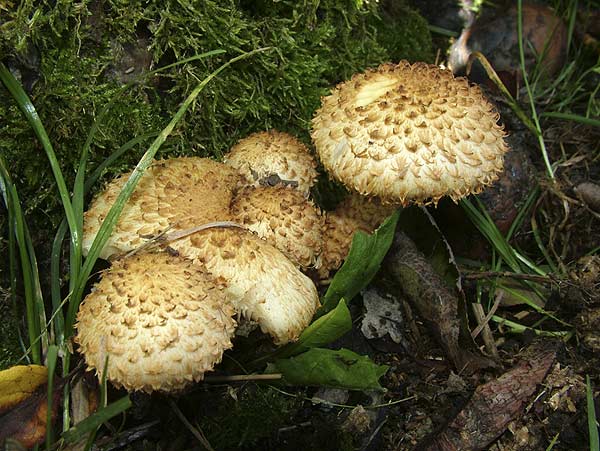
(353, 213)
(263, 284)
(409, 133)
(160, 321)
(285, 218)
(172, 194)
(267, 158)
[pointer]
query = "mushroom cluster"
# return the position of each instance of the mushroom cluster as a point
(159, 312)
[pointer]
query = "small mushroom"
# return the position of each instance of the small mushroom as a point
(172, 194)
(407, 132)
(272, 157)
(285, 218)
(161, 323)
(263, 284)
(352, 214)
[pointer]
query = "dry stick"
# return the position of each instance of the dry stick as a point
(243, 378)
(484, 328)
(197, 433)
(486, 318)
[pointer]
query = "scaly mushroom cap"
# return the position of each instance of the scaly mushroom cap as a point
(161, 323)
(285, 218)
(172, 194)
(353, 213)
(409, 133)
(263, 284)
(273, 157)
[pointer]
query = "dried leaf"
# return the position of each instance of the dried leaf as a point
(24, 404)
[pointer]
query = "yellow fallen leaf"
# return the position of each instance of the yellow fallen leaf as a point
(19, 383)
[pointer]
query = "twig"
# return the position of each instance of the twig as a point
(484, 327)
(195, 431)
(243, 378)
(468, 274)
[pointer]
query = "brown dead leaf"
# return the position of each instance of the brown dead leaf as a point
(23, 404)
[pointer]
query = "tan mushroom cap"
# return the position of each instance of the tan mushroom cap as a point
(161, 323)
(353, 213)
(409, 133)
(265, 158)
(263, 284)
(172, 194)
(285, 218)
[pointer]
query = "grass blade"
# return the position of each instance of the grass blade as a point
(52, 357)
(24, 103)
(591, 416)
(32, 304)
(93, 422)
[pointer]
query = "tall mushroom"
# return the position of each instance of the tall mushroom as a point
(409, 132)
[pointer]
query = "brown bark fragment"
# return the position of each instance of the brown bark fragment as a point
(494, 405)
(435, 302)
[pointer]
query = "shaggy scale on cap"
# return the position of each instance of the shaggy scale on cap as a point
(263, 284)
(285, 218)
(175, 194)
(160, 321)
(409, 133)
(273, 157)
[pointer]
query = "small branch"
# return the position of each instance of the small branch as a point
(243, 378)
(195, 431)
(484, 328)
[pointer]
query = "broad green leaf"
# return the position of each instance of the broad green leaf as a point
(361, 265)
(325, 367)
(321, 332)
(91, 423)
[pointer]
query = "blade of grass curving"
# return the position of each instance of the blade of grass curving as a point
(12, 261)
(28, 110)
(15, 215)
(51, 359)
(84, 428)
(62, 230)
(58, 324)
(571, 21)
(517, 328)
(113, 215)
(529, 202)
(532, 304)
(591, 416)
(534, 115)
(79, 187)
(573, 117)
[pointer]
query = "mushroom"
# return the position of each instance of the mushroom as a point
(161, 323)
(407, 132)
(172, 194)
(273, 157)
(285, 218)
(263, 284)
(353, 213)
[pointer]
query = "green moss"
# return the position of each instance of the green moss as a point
(73, 56)
(10, 351)
(253, 417)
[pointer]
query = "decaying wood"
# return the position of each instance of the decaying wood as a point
(435, 302)
(494, 405)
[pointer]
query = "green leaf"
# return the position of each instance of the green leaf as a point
(321, 332)
(90, 424)
(325, 367)
(361, 265)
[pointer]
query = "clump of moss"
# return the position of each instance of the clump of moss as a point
(74, 56)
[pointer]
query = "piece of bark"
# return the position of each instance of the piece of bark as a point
(494, 405)
(435, 302)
